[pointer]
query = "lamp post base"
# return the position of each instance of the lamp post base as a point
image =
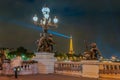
(45, 62)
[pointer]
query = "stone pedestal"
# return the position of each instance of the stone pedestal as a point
(45, 62)
(90, 68)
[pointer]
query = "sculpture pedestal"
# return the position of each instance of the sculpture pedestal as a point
(45, 62)
(90, 68)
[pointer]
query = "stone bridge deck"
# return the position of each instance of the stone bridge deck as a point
(44, 77)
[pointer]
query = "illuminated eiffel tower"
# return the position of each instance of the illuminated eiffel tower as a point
(71, 46)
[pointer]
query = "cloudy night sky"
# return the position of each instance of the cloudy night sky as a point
(92, 20)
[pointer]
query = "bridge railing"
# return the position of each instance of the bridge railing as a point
(110, 70)
(68, 68)
(27, 67)
(106, 69)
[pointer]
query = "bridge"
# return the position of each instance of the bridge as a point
(94, 69)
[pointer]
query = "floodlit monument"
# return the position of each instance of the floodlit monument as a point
(44, 54)
(71, 51)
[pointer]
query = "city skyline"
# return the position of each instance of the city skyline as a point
(91, 20)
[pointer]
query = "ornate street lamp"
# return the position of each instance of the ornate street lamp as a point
(46, 21)
(45, 43)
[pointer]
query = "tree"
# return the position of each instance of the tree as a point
(21, 51)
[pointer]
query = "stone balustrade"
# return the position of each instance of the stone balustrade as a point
(105, 69)
(109, 70)
(27, 67)
(68, 68)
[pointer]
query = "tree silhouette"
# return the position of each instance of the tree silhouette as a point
(21, 51)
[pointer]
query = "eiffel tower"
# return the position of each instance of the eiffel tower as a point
(71, 46)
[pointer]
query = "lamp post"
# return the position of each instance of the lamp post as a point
(46, 21)
(45, 43)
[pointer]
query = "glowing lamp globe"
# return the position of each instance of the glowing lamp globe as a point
(45, 10)
(55, 20)
(35, 18)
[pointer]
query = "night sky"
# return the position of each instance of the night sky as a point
(92, 20)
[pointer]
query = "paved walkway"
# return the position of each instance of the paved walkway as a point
(44, 77)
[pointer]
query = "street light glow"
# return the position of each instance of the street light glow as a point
(45, 10)
(55, 20)
(35, 18)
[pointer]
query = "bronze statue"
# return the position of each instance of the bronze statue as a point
(93, 53)
(45, 43)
